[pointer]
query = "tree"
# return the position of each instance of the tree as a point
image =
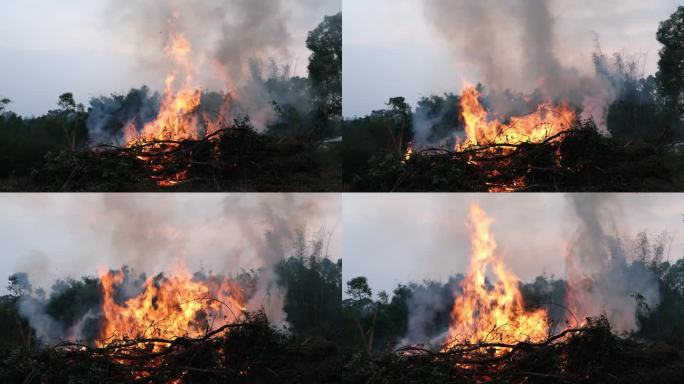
(69, 110)
(358, 289)
(671, 64)
(325, 65)
(3, 103)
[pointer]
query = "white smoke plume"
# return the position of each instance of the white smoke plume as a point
(602, 278)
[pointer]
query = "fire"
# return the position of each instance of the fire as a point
(175, 120)
(168, 307)
(491, 314)
(409, 152)
(179, 117)
(578, 284)
(547, 121)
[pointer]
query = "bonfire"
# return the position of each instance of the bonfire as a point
(169, 318)
(494, 336)
(497, 314)
(178, 120)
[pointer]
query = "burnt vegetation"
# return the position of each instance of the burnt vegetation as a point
(641, 152)
(80, 148)
(250, 350)
(398, 338)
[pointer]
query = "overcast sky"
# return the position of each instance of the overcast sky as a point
(55, 236)
(402, 238)
(50, 47)
(391, 50)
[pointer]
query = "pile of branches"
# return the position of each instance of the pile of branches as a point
(580, 159)
(250, 351)
(236, 158)
(590, 354)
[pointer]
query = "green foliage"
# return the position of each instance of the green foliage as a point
(313, 291)
(90, 171)
(359, 289)
(325, 64)
(671, 65)
(25, 142)
(384, 133)
(71, 299)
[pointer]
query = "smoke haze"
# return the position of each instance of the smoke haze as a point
(57, 236)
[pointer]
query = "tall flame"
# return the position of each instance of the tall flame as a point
(536, 127)
(493, 314)
(179, 117)
(168, 307)
(175, 120)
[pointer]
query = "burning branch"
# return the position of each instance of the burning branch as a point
(591, 353)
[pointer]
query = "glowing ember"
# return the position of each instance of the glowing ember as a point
(536, 127)
(494, 314)
(409, 152)
(168, 307)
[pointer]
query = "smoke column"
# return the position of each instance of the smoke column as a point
(235, 43)
(602, 280)
(511, 45)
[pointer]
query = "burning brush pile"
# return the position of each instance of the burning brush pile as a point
(550, 149)
(178, 329)
(189, 147)
(495, 336)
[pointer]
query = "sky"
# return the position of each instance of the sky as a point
(403, 238)
(50, 47)
(57, 236)
(390, 49)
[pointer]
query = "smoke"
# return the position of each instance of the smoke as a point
(152, 234)
(234, 42)
(602, 278)
(429, 307)
(511, 44)
(108, 115)
(285, 217)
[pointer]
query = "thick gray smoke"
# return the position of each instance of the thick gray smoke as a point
(429, 308)
(235, 43)
(511, 45)
(603, 278)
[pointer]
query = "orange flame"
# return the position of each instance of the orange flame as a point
(493, 314)
(409, 152)
(174, 121)
(536, 127)
(168, 307)
(178, 119)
